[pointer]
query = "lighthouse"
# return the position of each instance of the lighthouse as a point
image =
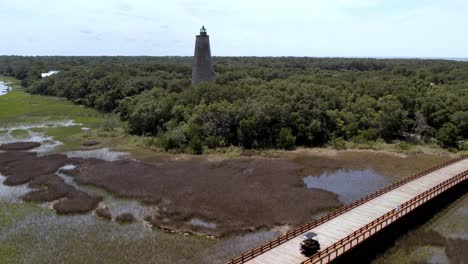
(202, 67)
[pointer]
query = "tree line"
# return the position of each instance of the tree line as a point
(260, 103)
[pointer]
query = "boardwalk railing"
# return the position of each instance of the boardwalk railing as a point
(304, 228)
(373, 227)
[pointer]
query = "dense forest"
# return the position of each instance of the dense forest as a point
(263, 102)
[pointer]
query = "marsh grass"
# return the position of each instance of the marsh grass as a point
(445, 233)
(20, 133)
(19, 107)
(32, 234)
(12, 212)
(9, 214)
(232, 247)
(104, 242)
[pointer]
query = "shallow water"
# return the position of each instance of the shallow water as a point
(4, 89)
(103, 153)
(115, 204)
(12, 193)
(202, 223)
(45, 124)
(348, 184)
(35, 133)
(32, 133)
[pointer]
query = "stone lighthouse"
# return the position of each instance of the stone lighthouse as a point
(202, 68)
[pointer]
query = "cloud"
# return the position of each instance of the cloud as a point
(86, 32)
(243, 27)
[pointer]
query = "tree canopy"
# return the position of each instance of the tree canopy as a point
(263, 102)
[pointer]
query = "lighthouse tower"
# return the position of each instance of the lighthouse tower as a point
(202, 68)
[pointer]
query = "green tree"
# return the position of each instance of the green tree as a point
(247, 133)
(447, 135)
(392, 118)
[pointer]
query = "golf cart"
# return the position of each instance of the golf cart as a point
(310, 245)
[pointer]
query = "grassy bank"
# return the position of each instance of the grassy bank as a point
(21, 108)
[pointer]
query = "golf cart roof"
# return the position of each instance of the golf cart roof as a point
(309, 235)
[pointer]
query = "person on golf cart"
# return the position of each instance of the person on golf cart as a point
(310, 245)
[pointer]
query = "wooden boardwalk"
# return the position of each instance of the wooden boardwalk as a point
(345, 228)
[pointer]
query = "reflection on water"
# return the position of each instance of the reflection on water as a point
(349, 185)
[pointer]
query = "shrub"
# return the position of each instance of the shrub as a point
(402, 145)
(195, 145)
(338, 143)
(286, 140)
(370, 134)
(109, 124)
(174, 139)
(213, 142)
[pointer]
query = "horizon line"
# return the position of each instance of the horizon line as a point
(254, 56)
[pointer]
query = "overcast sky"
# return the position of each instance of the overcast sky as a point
(357, 28)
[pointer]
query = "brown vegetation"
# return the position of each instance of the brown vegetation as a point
(50, 188)
(90, 143)
(125, 218)
(236, 195)
(423, 238)
(457, 250)
(24, 167)
(104, 213)
(77, 202)
(19, 146)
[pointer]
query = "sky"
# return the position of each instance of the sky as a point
(315, 28)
